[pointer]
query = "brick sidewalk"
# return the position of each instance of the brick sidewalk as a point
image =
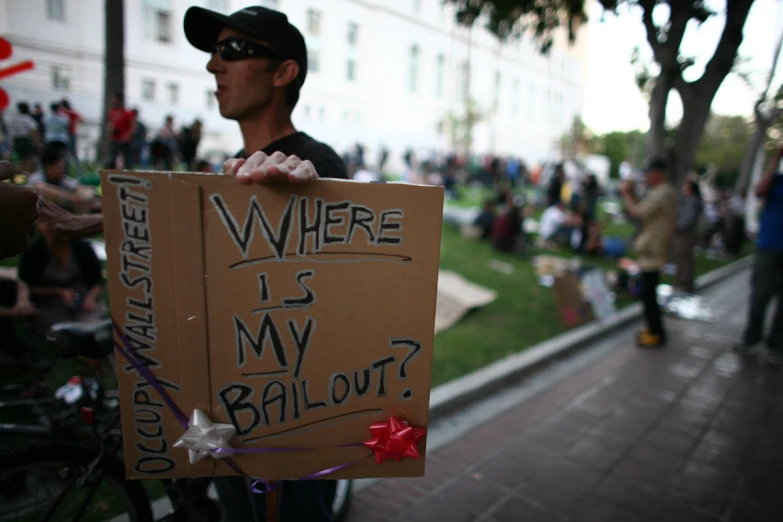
(691, 433)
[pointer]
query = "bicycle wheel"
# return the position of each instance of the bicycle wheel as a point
(33, 477)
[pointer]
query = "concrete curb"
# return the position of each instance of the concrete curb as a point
(481, 383)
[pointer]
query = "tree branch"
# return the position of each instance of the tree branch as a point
(649, 25)
(726, 52)
(683, 88)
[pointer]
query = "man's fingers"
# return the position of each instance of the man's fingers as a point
(260, 171)
(51, 212)
(283, 170)
(249, 169)
(305, 171)
(262, 168)
(232, 165)
(83, 225)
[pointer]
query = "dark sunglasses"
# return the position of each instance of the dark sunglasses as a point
(233, 49)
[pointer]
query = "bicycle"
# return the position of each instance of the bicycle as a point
(83, 449)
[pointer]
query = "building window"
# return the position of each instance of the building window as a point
(414, 68)
(148, 90)
(218, 5)
(55, 10)
(209, 98)
(353, 33)
(515, 96)
(439, 127)
(173, 93)
(416, 6)
(350, 69)
(440, 66)
(61, 78)
(307, 112)
(313, 61)
(321, 113)
(313, 22)
(157, 20)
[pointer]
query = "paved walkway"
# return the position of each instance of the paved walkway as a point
(691, 433)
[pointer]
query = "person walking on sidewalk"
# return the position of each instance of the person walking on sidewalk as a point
(657, 213)
(259, 61)
(767, 280)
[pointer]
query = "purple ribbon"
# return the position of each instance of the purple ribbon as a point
(258, 486)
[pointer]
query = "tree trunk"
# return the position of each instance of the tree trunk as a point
(114, 67)
(656, 137)
(696, 96)
(696, 112)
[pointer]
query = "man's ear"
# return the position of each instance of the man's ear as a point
(286, 73)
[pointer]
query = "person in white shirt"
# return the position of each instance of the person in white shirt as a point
(56, 124)
(53, 184)
(557, 225)
(24, 137)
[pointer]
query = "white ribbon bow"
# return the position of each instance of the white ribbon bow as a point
(203, 437)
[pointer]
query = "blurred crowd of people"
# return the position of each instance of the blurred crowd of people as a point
(132, 147)
(59, 277)
(28, 134)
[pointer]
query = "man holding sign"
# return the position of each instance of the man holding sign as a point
(259, 61)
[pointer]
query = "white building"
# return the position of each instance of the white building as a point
(382, 72)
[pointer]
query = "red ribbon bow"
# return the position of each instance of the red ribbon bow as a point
(394, 439)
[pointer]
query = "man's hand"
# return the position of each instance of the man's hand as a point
(278, 167)
(75, 225)
(18, 212)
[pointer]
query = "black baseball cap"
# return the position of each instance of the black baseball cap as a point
(202, 28)
(655, 164)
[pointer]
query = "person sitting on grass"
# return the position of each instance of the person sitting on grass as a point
(557, 226)
(507, 229)
(52, 184)
(594, 243)
(64, 276)
(486, 219)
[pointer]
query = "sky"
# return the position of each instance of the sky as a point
(612, 100)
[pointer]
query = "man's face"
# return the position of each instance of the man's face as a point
(55, 172)
(244, 87)
(654, 177)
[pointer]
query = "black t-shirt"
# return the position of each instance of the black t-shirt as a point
(325, 160)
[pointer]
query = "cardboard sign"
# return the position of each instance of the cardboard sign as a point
(299, 313)
(456, 297)
(571, 305)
